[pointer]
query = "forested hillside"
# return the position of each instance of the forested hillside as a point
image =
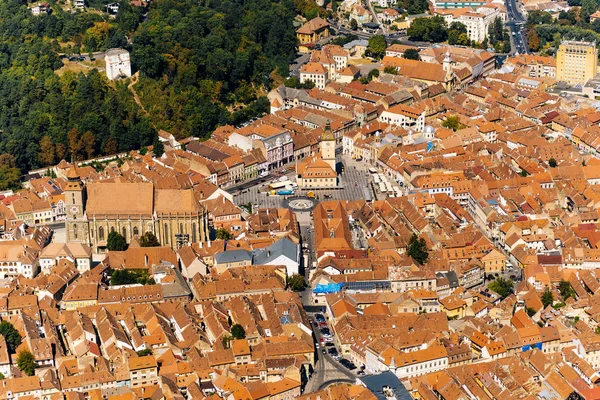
(45, 117)
(200, 65)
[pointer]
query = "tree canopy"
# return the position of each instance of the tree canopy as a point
(11, 335)
(238, 332)
(201, 64)
(428, 29)
(547, 297)
(223, 234)
(297, 283)
(412, 54)
(116, 242)
(566, 290)
(417, 249)
(26, 362)
(149, 240)
(502, 286)
(377, 46)
(199, 60)
(452, 122)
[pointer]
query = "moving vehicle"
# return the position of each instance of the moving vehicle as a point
(285, 192)
(310, 195)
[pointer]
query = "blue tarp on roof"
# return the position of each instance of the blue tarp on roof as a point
(329, 288)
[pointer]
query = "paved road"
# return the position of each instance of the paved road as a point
(389, 37)
(327, 370)
(516, 23)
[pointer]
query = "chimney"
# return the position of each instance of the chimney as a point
(146, 260)
(200, 244)
(209, 244)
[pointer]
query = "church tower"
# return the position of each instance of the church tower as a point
(75, 204)
(327, 146)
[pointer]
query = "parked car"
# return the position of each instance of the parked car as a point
(329, 344)
(332, 351)
(325, 331)
(319, 317)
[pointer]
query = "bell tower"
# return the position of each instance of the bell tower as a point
(75, 204)
(327, 146)
(74, 194)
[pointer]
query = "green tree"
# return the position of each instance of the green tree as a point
(463, 40)
(453, 37)
(11, 335)
(502, 286)
(238, 332)
(566, 290)
(296, 283)
(377, 46)
(547, 297)
(353, 24)
(552, 162)
(452, 122)
(143, 352)
(412, 54)
(116, 242)
(149, 240)
(530, 311)
(432, 29)
(123, 277)
(292, 82)
(390, 70)
(223, 234)
(26, 362)
(157, 147)
(417, 249)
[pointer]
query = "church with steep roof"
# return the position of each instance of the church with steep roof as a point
(94, 210)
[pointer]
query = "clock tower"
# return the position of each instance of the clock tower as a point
(75, 204)
(74, 194)
(327, 146)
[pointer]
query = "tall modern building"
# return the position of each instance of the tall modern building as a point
(576, 62)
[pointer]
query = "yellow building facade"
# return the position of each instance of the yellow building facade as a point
(576, 62)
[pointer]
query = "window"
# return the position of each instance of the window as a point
(180, 228)
(193, 232)
(75, 231)
(101, 233)
(166, 233)
(135, 230)
(124, 230)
